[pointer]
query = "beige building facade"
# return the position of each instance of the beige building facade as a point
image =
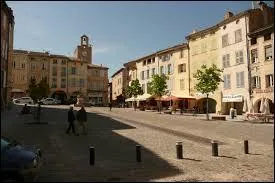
(119, 84)
(7, 32)
(262, 66)
(67, 76)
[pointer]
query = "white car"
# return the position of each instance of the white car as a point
(23, 100)
(48, 101)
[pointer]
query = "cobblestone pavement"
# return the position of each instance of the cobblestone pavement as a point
(115, 136)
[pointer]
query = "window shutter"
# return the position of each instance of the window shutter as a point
(228, 81)
(225, 81)
(242, 79)
(238, 79)
(237, 57)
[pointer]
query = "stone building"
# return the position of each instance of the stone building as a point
(262, 66)
(119, 84)
(7, 31)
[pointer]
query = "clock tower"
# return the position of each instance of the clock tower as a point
(83, 51)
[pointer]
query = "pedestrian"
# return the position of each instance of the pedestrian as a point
(110, 106)
(81, 117)
(71, 119)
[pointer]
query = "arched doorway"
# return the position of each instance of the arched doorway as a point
(257, 106)
(201, 103)
(60, 95)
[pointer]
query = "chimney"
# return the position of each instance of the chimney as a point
(262, 5)
(228, 15)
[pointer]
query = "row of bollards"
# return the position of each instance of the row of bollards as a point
(179, 151)
(92, 154)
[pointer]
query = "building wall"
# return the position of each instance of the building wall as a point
(97, 85)
(117, 84)
(262, 68)
(204, 50)
(7, 27)
(142, 66)
(234, 68)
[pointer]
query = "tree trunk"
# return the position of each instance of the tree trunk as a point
(135, 105)
(207, 115)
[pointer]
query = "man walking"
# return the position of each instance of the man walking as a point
(81, 116)
(110, 105)
(71, 119)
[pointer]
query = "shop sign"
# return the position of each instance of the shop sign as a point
(267, 90)
(232, 98)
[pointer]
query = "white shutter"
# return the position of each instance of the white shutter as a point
(242, 79)
(228, 81)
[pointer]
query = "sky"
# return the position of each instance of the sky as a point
(119, 31)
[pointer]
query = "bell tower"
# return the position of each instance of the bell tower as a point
(83, 51)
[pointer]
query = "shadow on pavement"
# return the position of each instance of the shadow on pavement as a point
(66, 158)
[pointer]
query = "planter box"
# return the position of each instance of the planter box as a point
(223, 118)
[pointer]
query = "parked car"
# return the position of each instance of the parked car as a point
(57, 101)
(23, 100)
(18, 163)
(48, 101)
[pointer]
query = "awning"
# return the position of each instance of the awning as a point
(184, 96)
(232, 98)
(17, 90)
(130, 99)
(143, 97)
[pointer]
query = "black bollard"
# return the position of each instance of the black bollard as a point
(246, 147)
(214, 148)
(179, 150)
(39, 153)
(92, 155)
(138, 153)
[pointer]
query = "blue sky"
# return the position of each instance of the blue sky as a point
(120, 31)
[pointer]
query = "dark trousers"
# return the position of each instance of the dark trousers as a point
(71, 126)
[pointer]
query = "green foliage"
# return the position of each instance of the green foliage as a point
(208, 79)
(157, 87)
(39, 90)
(134, 90)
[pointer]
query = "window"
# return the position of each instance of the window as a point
(256, 82)
(153, 60)
(268, 52)
(54, 61)
(214, 44)
(240, 79)
(54, 83)
(161, 70)
(181, 68)
(181, 84)
(14, 65)
(54, 71)
(73, 70)
(227, 82)
(144, 62)
(32, 66)
(149, 61)
(225, 40)
(239, 57)
(166, 57)
(73, 82)
(226, 60)
(23, 66)
(63, 71)
(254, 56)
(63, 83)
(169, 69)
(63, 62)
(101, 73)
(181, 54)
(147, 74)
(238, 35)
(153, 71)
(267, 37)
(142, 75)
(203, 47)
(269, 80)
(143, 88)
(81, 82)
(253, 41)
(147, 87)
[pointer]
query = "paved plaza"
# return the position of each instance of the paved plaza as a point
(115, 134)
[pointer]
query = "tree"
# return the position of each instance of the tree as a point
(134, 90)
(39, 90)
(208, 81)
(44, 88)
(157, 87)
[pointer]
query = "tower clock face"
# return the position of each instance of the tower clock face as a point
(84, 53)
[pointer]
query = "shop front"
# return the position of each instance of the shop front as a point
(233, 101)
